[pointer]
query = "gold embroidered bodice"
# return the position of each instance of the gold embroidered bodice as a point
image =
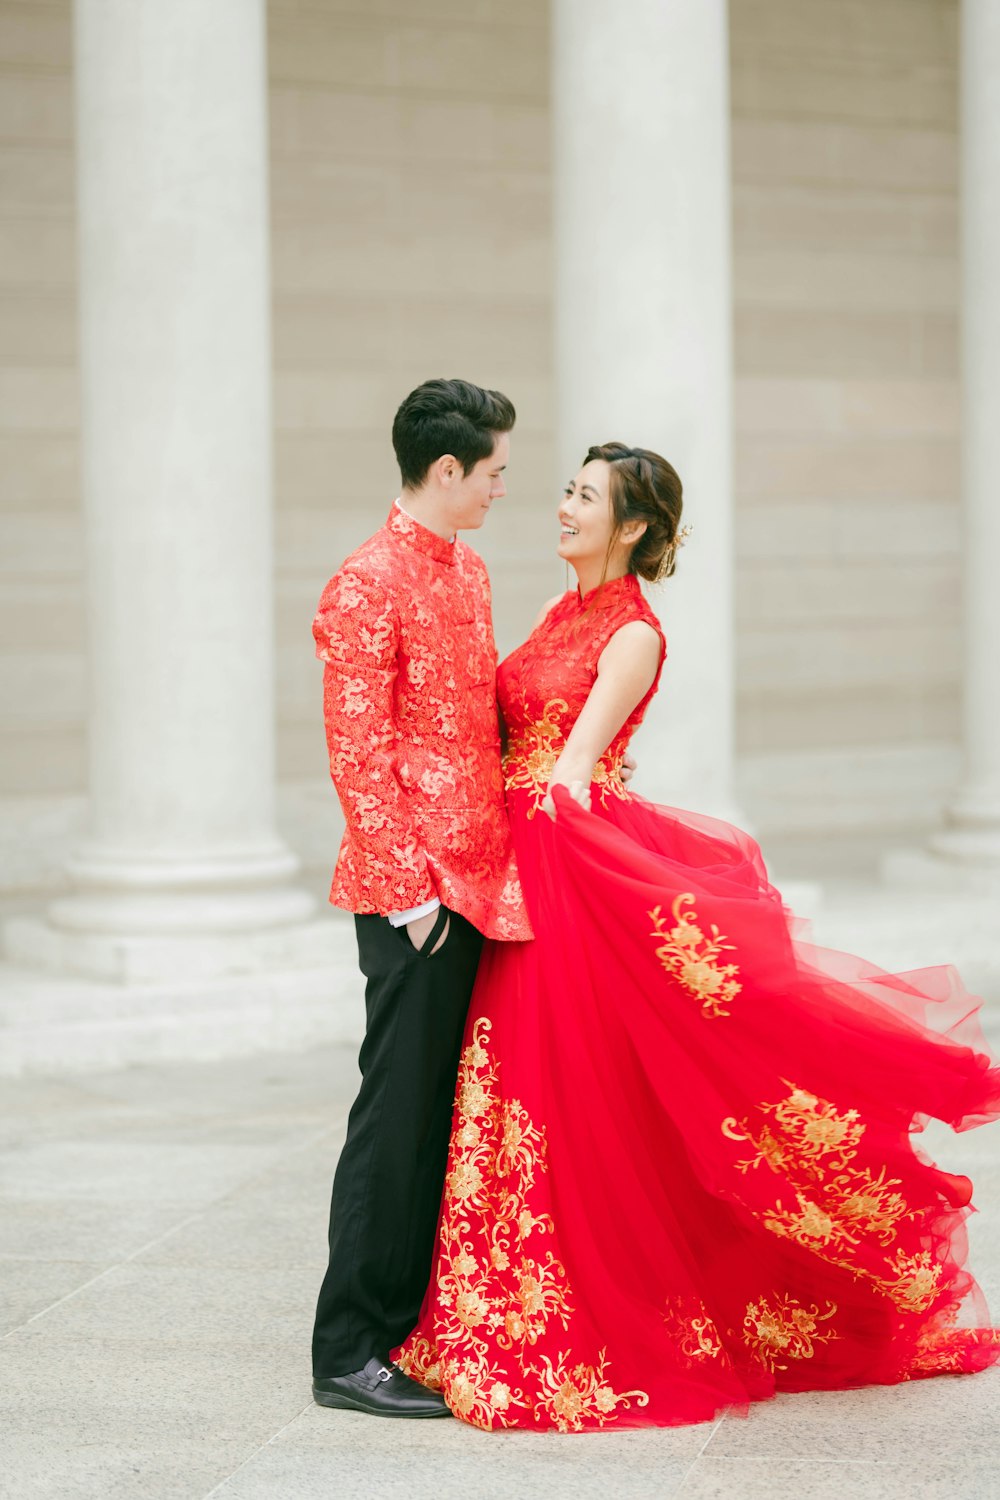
(543, 685)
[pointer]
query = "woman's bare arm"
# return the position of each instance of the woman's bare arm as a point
(625, 673)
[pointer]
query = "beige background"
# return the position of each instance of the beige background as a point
(411, 237)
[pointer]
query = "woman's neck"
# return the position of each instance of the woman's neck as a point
(588, 574)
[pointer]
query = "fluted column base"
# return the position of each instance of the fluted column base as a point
(130, 941)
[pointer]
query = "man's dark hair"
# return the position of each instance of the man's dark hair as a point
(448, 416)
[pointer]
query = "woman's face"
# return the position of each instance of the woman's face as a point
(585, 518)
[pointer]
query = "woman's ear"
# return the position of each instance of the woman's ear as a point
(632, 531)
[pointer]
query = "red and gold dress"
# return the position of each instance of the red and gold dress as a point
(682, 1174)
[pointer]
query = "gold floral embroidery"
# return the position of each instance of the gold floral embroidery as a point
(780, 1329)
(776, 1329)
(934, 1349)
(915, 1281)
(531, 757)
(422, 1361)
(495, 1287)
(806, 1130)
(571, 1395)
(607, 777)
(944, 1348)
(695, 1335)
(691, 957)
(837, 1204)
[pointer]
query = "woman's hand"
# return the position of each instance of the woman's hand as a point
(578, 790)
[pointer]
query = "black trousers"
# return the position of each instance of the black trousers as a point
(388, 1183)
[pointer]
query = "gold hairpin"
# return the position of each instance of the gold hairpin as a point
(670, 552)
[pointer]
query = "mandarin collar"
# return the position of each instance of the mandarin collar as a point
(418, 537)
(606, 594)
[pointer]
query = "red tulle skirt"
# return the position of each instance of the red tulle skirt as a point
(682, 1173)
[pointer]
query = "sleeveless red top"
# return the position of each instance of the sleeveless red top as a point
(543, 685)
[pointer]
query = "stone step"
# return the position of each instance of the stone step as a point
(53, 1025)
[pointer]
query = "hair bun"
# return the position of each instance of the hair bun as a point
(645, 487)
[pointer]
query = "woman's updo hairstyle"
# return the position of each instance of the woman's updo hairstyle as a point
(644, 487)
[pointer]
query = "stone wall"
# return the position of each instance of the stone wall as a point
(845, 220)
(410, 200)
(42, 629)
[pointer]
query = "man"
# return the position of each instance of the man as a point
(405, 632)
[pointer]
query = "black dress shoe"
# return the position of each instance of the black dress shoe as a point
(380, 1390)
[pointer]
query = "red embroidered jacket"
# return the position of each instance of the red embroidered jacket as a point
(409, 701)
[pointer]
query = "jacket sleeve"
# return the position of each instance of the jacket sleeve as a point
(357, 639)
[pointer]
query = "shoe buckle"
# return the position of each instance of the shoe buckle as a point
(384, 1375)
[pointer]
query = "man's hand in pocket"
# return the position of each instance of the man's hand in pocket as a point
(419, 930)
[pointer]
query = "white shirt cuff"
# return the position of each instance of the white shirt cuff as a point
(400, 918)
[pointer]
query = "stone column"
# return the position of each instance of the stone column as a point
(176, 418)
(973, 837)
(643, 326)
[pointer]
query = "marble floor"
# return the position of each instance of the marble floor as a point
(161, 1240)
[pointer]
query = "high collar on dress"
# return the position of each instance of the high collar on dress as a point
(418, 537)
(609, 593)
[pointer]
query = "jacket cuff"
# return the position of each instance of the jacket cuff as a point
(414, 913)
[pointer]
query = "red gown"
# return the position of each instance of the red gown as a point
(682, 1174)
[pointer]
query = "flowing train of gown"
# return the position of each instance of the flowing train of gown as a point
(682, 1173)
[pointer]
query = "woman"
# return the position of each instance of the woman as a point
(681, 1175)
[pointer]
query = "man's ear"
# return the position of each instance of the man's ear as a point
(447, 469)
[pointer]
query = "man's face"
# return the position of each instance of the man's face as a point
(472, 494)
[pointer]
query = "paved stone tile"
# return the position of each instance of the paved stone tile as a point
(264, 1132)
(344, 1454)
(155, 1421)
(187, 1366)
(920, 1477)
(952, 1416)
(99, 1385)
(109, 1170)
(277, 1219)
(311, 1476)
(271, 1084)
(307, 1169)
(193, 1303)
(262, 1229)
(53, 1465)
(36, 1108)
(350, 1433)
(96, 1416)
(29, 1286)
(40, 1229)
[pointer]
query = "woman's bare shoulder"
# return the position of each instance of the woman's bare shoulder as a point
(635, 638)
(636, 647)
